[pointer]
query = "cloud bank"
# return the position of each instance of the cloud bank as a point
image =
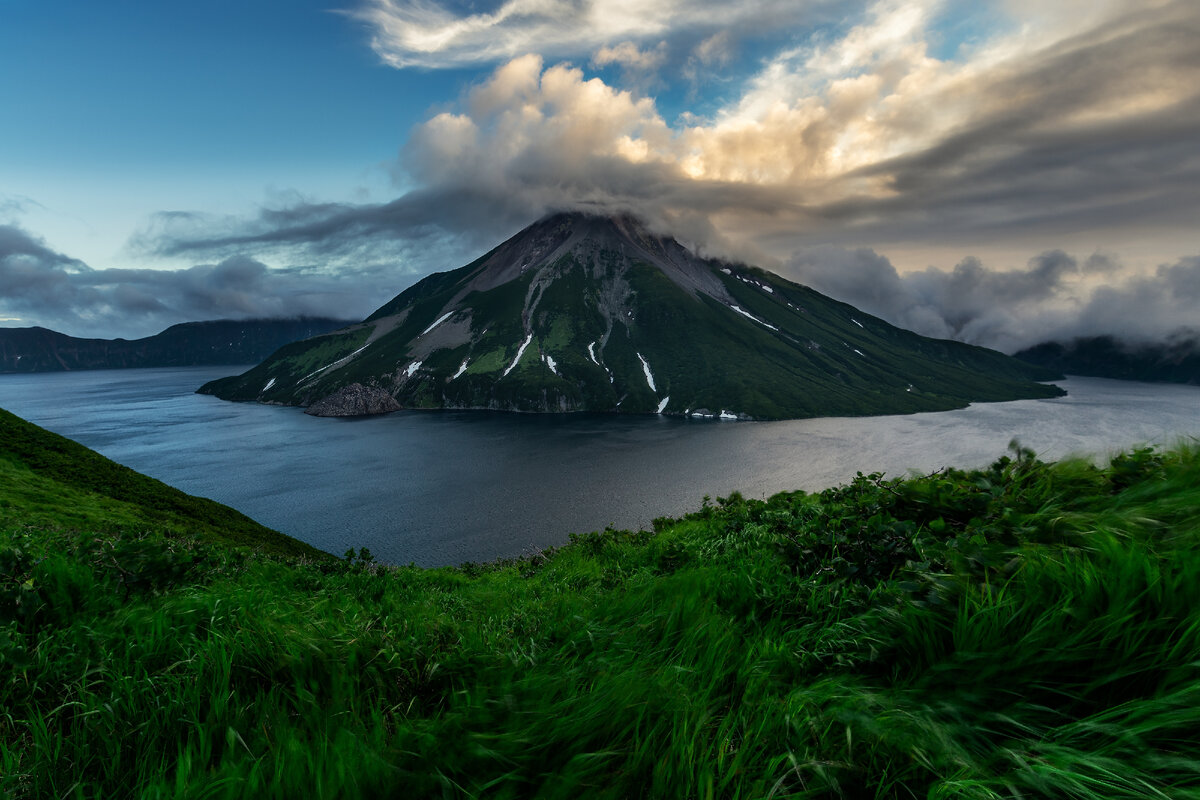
(41, 286)
(1055, 298)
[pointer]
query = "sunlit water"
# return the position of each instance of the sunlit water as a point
(446, 487)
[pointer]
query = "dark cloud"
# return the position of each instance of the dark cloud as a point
(1074, 142)
(1010, 309)
(421, 232)
(40, 286)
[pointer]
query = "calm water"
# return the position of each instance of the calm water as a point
(446, 487)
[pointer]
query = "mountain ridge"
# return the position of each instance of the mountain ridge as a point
(586, 313)
(1176, 360)
(202, 343)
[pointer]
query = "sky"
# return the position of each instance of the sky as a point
(999, 172)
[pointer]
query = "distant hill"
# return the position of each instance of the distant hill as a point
(1176, 361)
(588, 313)
(189, 344)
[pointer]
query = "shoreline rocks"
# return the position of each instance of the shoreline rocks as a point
(354, 400)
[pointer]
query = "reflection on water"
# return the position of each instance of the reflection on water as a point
(446, 487)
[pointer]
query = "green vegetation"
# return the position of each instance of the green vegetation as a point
(50, 482)
(1025, 630)
(716, 336)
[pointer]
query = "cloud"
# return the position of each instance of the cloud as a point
(1054, 298)
(424, 33)
(627, 55)
(1058, 123)
(639, 68)
(39, 286)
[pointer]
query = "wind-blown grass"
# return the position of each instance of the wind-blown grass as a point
(1027, 630)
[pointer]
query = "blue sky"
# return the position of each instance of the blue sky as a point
(118, 110)
(1012, 169)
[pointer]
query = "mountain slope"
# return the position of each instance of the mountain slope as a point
(223, 341)
(49, 481)
(589, 313)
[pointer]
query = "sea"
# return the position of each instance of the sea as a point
(446, 487)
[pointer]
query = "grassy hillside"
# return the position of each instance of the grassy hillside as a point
(50, 482)
(1027, 630)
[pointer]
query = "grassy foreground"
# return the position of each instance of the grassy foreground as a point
(1027, 630)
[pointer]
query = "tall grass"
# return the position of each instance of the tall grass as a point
(1027, 630)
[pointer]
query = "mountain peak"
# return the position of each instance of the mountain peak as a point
(582, 311)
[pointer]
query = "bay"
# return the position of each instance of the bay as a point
(436, 488)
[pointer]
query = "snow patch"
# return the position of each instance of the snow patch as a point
(550, 363)
(461, 370)
(748, 315)
(860, 352)
(592, 353)
(646, 369)
(413, 367)
(439, 321)
(270, 383)
(726, 271)
(767, 289)
(334, 364)
(856, 322)
(520, 352)
(663, 404)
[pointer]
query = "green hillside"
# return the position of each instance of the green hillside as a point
(51, 482)
(1026, 630)
(581, 313)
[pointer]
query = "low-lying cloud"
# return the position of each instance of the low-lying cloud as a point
(1056, 298)
(41, 286)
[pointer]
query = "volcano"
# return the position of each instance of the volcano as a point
(588, 313)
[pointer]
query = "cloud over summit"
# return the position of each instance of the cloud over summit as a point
(1077, 118)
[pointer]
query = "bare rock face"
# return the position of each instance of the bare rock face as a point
(354, 400)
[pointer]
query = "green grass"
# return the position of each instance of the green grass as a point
(1026, 630)
(48, 481)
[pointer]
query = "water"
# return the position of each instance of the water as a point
(446, 487)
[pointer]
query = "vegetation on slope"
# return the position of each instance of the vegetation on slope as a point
(580, 313)
(1026, 630)
(1175, 361)
(50, 482)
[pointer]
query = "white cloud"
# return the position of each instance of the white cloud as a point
(1060, 127)
(424, 33)
(627, 55)
(865, 137)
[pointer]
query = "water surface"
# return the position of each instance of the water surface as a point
(446, 487)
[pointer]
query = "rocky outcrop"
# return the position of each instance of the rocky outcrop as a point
(354, 400)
